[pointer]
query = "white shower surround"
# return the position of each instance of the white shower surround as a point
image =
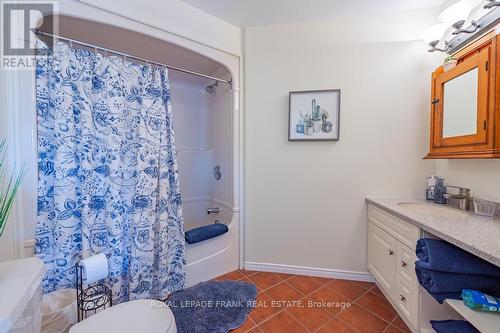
(204, 261)
(203, 130)
(214, 257)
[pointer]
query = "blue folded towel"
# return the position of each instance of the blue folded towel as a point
(443, 282)
(453, 326)
(438, 296)
(205, 232)
(439, 255)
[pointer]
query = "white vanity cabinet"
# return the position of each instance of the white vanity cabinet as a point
(393, 231)
(381, 256)
(391, 260)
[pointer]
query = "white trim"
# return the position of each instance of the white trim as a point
(238, 166)
(242, 152)
(310, 271)
(14, 162)
(154, 26)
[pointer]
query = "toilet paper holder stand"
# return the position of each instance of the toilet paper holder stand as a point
(94, 298)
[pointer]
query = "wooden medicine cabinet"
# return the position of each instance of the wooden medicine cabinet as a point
(465, 112)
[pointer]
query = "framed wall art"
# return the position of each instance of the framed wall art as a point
(314, 115)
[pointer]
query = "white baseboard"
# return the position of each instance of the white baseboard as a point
(311, 271)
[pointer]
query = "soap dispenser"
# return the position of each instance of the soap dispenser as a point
(439, 192)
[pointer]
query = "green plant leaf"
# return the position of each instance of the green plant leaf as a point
(8, 189)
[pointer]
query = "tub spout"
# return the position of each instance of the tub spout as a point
(214, 210)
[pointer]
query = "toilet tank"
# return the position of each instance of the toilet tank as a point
(21, 295)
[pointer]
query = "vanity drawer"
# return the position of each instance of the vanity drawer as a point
(406, 299)
(406, 265)
(405, 232)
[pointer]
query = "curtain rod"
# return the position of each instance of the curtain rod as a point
(179, 69)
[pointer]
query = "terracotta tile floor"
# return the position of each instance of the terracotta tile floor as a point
(293, 303)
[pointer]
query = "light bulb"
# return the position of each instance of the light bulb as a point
(458, 11)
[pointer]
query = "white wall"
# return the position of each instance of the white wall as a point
(305, 200)
(481, 176)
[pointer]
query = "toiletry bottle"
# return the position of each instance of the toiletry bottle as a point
(440, 191)
(429, 191)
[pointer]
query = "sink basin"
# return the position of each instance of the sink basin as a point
(427, 209)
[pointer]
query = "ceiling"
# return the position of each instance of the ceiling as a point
(246, 13)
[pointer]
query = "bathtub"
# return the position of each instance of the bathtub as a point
(208, 259)
(216, 256)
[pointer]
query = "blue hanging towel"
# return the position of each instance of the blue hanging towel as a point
(453, 326)
(442, 282)
(439, 255)
(205, 232)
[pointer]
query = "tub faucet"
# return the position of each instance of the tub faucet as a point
(214, 210)
(462, 199)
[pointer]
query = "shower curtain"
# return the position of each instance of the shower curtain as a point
(108, 179)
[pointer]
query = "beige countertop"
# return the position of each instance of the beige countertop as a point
(475, 234)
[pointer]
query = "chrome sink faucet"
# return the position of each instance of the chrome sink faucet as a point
(462, 200)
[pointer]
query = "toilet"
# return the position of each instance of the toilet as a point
(134, 316)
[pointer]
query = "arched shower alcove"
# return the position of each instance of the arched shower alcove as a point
(206, 125)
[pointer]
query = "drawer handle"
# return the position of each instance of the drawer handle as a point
(403, 299)
(391, 252)
(403, 264)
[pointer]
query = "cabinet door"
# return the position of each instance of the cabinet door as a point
(382, 256)
(460, 103)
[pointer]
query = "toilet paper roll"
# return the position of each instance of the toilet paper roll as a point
(95, 268)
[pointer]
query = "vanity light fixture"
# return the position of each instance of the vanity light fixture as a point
(459, 24)
(461, 21)
(434, 47)
(457, 10)
(491, 4)
(433, 35)
(434, 32)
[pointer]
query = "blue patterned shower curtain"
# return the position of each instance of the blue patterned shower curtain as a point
(108, 178)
